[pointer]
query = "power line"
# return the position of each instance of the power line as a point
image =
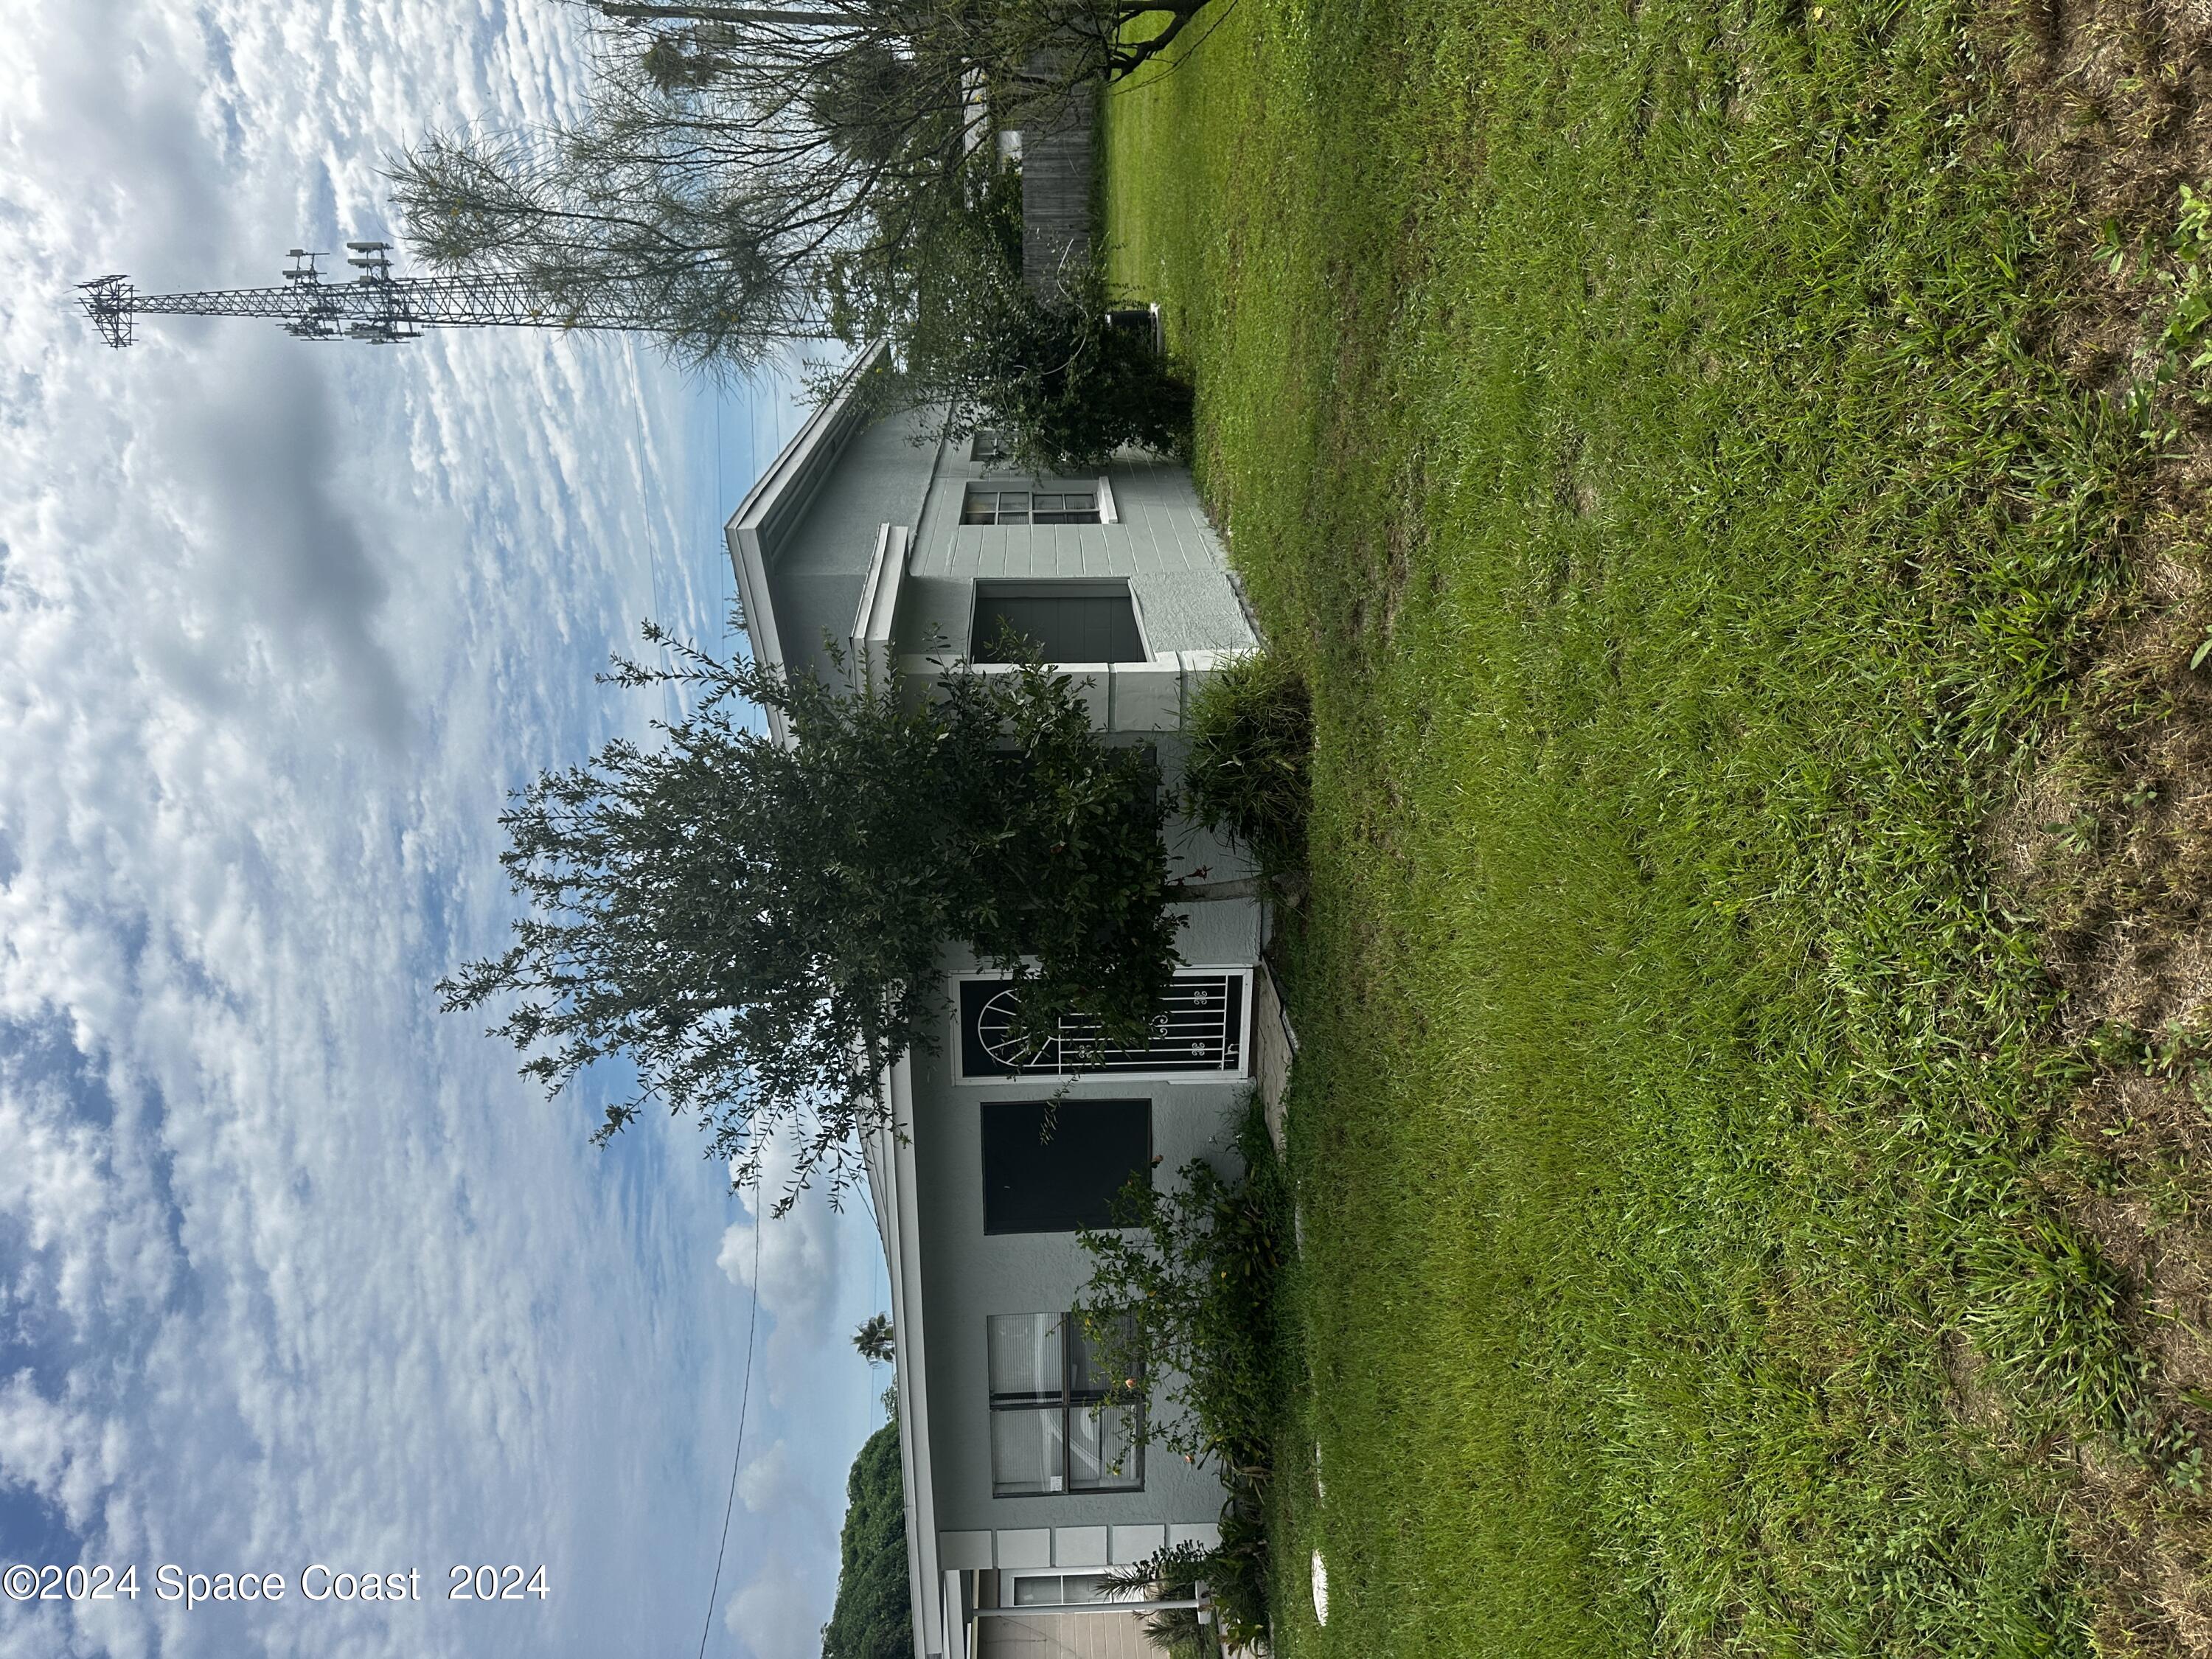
(723, 574)
(670, 703)
(745, 1400)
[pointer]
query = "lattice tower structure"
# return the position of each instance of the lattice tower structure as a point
(373, 305)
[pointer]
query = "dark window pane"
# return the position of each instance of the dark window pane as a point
(987, 505)
(1079, 627)
(1033, 1184)
(1067, 508)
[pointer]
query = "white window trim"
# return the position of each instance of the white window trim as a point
(1101, 492)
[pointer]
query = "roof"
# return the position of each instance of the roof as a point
(773, 504)
(779, 496)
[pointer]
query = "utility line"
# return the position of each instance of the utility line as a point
(745, 1400)
(722, 572)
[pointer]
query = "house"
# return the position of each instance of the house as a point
(889, 541)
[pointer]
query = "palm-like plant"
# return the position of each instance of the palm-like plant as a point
(874, 1339)
(1169, 1574)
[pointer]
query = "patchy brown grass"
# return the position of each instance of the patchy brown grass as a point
(2111, 103)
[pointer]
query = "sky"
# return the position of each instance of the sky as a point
(294, 1271)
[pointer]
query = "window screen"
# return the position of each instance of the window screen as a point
(1058, 1422)
(1063, 622)
(1054, 1180)
(1060, 1590)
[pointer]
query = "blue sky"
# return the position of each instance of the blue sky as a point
(293, 1268)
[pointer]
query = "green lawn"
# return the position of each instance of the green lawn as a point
(1664, 432)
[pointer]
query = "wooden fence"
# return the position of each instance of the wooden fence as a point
(1057, 171)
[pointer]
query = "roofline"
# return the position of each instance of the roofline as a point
(888, 1150)
(797, 468)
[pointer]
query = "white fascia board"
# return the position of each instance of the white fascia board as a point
(871, 638)
(889, 1151)
(814, 443)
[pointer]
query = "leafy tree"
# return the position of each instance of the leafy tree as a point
(719, 167)
(1044, 370)
(874, 1339)
(755, 927)
(756, 175)
(872, 1617)
(1094, 37)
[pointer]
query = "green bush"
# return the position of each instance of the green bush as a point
(1173, 1573)
(1063, 386)
(1249, 773)
(1187, 1289)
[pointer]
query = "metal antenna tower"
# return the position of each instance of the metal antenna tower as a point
(374, 306)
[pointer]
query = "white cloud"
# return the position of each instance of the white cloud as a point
(801, 1263)
(774, 1615)
(297, 1269)
(39, 1442)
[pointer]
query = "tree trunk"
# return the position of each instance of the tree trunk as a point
(1125, 59)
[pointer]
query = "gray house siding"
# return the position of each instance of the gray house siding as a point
(968, 1275)
(819, 550)
(852, 509)
(1163, 545)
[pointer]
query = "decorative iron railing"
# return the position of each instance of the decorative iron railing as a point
(1200, 1031)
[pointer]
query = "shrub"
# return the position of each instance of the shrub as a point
(1250, 773)
(1172, 1572)
(1064, 386)
(1186, 1291)
(1186, 1288)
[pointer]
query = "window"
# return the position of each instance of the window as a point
(987, 446)
(1058, 1424)
(1049, 1170)
(1074, 621)
(1058, 1590)
(988, 504)
(1200, 1033)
